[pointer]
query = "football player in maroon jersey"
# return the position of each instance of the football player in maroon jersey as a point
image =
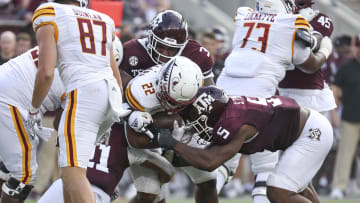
(248, 125)
(167, 38)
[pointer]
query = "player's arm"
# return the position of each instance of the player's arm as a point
(45, 36)
(210, 158)
(303, 57)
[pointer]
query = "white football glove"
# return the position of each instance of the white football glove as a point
(43, 132)
(181, 133)
(139, 120)
(326, 46)
(34, 118)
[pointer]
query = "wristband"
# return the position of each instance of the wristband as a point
(33, 110)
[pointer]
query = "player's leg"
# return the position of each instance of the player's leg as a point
(150, 171)
(54, 193)
(147, 184)
(18, 153)
(205, 184)
(85, 111)
(262, 164)
(311, 147)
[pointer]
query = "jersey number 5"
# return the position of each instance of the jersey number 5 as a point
(263, 39)
(89, 34)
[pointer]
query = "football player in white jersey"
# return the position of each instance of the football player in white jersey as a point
(159, 89)
(266, 41)
(17, 146)
(79, 40)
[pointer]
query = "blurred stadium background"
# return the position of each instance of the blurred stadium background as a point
(131, 17)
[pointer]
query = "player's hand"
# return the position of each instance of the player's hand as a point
(181, 133)
(326, 46)
(43, 132)
(139, 121)
(33, 119)
(164, 140)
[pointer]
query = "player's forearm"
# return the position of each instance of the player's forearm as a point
(41, 88)
(199, 158)
(313, 64)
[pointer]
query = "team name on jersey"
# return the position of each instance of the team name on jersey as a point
(136, 72)
(260, 16)
(86, 14)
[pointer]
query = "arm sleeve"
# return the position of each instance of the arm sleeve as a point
(45, 15)
(301, 53)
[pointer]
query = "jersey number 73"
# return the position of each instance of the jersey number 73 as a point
(263, 39)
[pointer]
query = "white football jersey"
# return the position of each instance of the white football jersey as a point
(83, 37)
(141, 91)
(264, 45)
(17, 78)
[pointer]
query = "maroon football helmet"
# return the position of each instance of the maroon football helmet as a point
(301, 4)
(205, 111)
(168, 35)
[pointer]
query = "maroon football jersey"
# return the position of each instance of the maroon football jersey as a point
(107, 166)
(276, 119)
(300, 80)
(136, 59)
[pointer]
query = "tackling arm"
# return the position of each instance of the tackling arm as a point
(211, 158)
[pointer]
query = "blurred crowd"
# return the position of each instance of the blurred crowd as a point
(333, 178)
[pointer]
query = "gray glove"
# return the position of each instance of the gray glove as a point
(164, 140)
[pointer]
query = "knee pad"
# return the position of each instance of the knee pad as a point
(4, 173)
(225, 171)
(259, 189)
(16, 189)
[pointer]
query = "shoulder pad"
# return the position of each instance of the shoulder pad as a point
(304, 37)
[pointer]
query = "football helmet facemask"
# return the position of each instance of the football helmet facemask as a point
(167, 37)
(204, 112)
(179, 82)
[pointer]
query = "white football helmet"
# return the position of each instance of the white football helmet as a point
(83, 3)
(275, 6)
(179, 81)
(118, 50)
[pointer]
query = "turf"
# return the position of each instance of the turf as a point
(237, 201)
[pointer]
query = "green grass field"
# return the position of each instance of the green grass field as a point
(242, 200)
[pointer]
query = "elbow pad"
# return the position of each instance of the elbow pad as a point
(303, 36)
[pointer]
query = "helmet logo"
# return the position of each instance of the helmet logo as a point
(133, 60)
(157, 21)
(203, 103)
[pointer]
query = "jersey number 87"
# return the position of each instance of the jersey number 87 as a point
(90, 34)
